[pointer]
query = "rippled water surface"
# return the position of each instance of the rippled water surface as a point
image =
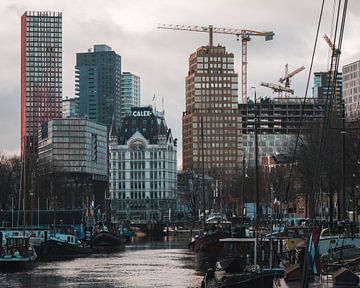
(144, 264)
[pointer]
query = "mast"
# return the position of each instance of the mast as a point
(21, 187)
(342, 209)
(243, 189)
(257, 196)
(203, 171)
(24, 189)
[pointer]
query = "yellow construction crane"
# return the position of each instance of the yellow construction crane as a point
(243, 33)
(288, 75)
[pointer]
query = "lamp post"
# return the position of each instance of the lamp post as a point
(257, 194)
(31, 208)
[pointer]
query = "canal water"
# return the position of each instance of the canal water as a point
(146, 263)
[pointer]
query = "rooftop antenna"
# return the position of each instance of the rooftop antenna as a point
(163, 109)
(154, 102)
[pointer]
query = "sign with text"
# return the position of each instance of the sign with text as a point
(141, 113)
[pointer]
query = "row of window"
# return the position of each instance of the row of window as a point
(215, 65)
(215, 92)
(214, 71)
(43, 17)
(199, 85)
(213, 79)
(141, 195)
(215, 59)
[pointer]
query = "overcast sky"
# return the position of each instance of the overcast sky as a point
(160, 57)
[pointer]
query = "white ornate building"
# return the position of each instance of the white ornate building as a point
(143, 179)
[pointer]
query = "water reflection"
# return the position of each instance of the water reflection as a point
(143, 263)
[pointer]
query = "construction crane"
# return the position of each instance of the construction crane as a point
(288, 75)
(278, 88)
(243, 33)
(335, 53)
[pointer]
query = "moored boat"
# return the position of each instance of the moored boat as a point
(16, 253)
(240, 268)
(105, 240)
(60, 246)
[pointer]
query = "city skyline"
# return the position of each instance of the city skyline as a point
(160, 57)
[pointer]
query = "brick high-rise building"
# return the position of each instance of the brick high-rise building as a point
(212, 97)
(41, 73)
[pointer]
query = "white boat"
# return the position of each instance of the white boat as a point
(330, 242)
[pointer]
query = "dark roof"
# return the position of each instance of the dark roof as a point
(149, 123)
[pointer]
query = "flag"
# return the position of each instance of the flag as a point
(314, 259)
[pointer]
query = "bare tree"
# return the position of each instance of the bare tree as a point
(9, 179)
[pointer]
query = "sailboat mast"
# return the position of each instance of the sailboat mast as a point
(203, 172)
(20, 188)
(24, 190)
(342, 209)
(243, 189)
(257, 196)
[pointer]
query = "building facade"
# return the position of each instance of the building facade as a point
(71, 107)
(72, 162)
(322, 88)
(278, 122)
(97, 80)
(41, 73)
(351, 90)
(130, 92)
(143, 182)
(212, 99)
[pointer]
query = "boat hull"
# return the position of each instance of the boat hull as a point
(16, 264)
(209, 243)
(238, 280)
(107, 242)
(56, 250)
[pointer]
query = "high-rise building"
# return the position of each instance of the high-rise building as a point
(41, 73)
(97, 78)
(71, 107)
(130, 92)
(322, 88)
(351, 86)
(212, 99)
(143, 180)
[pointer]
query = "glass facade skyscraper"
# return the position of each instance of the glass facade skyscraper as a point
(130, 92)
(322, 88)
(41, 73)
(97, 78)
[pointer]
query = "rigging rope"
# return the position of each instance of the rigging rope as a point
(304, 103)
(324, 134)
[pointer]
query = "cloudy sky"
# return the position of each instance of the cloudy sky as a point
(160, 57)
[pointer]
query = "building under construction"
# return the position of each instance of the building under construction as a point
(277, 123)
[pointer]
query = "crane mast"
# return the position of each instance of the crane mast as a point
(244, 34)
(288, 75)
